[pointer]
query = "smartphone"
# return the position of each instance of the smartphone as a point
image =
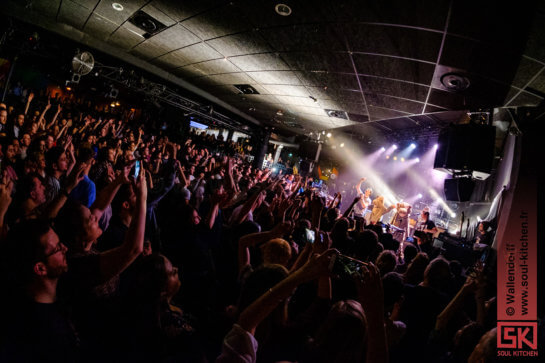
(479, 265)
(342, 266)
(310, 235)
(136, 169)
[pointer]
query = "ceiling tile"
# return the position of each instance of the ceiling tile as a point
(229, 78)
(216, 66)
(89, 4)
(198, 52)
(319, 61)
(106, 10)
(412, 13)
(262, 13)
(306, 38)
(260, 62)
(329, 80)
(239, 44)
(302, 101)
(275, 77)
(527, 69)
(538, 84)
(394, 103)
(394, 88)
(261, 98)
(175, 37)
(99, 27)
(310, 110)
(526, 99)
(353, 107)
(159, 15)
(73, 14)
(180, 10)
(286, 90)
(45, 7)
(430, 109)
(382, 113)
(391, 40)
(125, 38)
(171, 60)
(217, 22)
(396, 68)
(172, 38)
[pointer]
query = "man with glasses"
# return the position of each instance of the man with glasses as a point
(35, 326)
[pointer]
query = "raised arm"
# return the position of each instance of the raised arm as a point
(106, 195)
(347, 211)
(254, 314)
(70, 183)
(41, 120)
(255, 239)
(30, 97)
(59, 109)
(114, 261)
(371, 297)
(358, 186)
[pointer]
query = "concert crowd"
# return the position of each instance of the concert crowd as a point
(123, 243)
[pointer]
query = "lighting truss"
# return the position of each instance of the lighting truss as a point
(161, 92)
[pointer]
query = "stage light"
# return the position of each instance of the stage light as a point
(274, 170)
(453, 215)
(413, 146)
(436, 146)
(342, 144)
(290, 155)
(402, 159)
(417, 160)
(394, 146)
(479, 219)
(419, 195)
(328, 134)
(387, 156)
(323, 132)
(383, 149)
(395, 157)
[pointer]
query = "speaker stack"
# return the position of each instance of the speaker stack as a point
(468, 150)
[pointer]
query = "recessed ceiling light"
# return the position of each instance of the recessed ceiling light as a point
(117, 6)
(282, 9)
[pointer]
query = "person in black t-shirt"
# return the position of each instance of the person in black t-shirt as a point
(35, 327)
(425, 229)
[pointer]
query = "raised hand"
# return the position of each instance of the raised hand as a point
(123, 176)
(6, 188)
(141, 185)
(370, 291)
(282, 229)
(322, 242)
(73, 179)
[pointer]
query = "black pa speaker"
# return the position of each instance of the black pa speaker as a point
(467, 147)
(459, 190)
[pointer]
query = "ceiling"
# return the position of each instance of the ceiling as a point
(379, 62)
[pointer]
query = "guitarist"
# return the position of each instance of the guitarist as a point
(425, 229)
